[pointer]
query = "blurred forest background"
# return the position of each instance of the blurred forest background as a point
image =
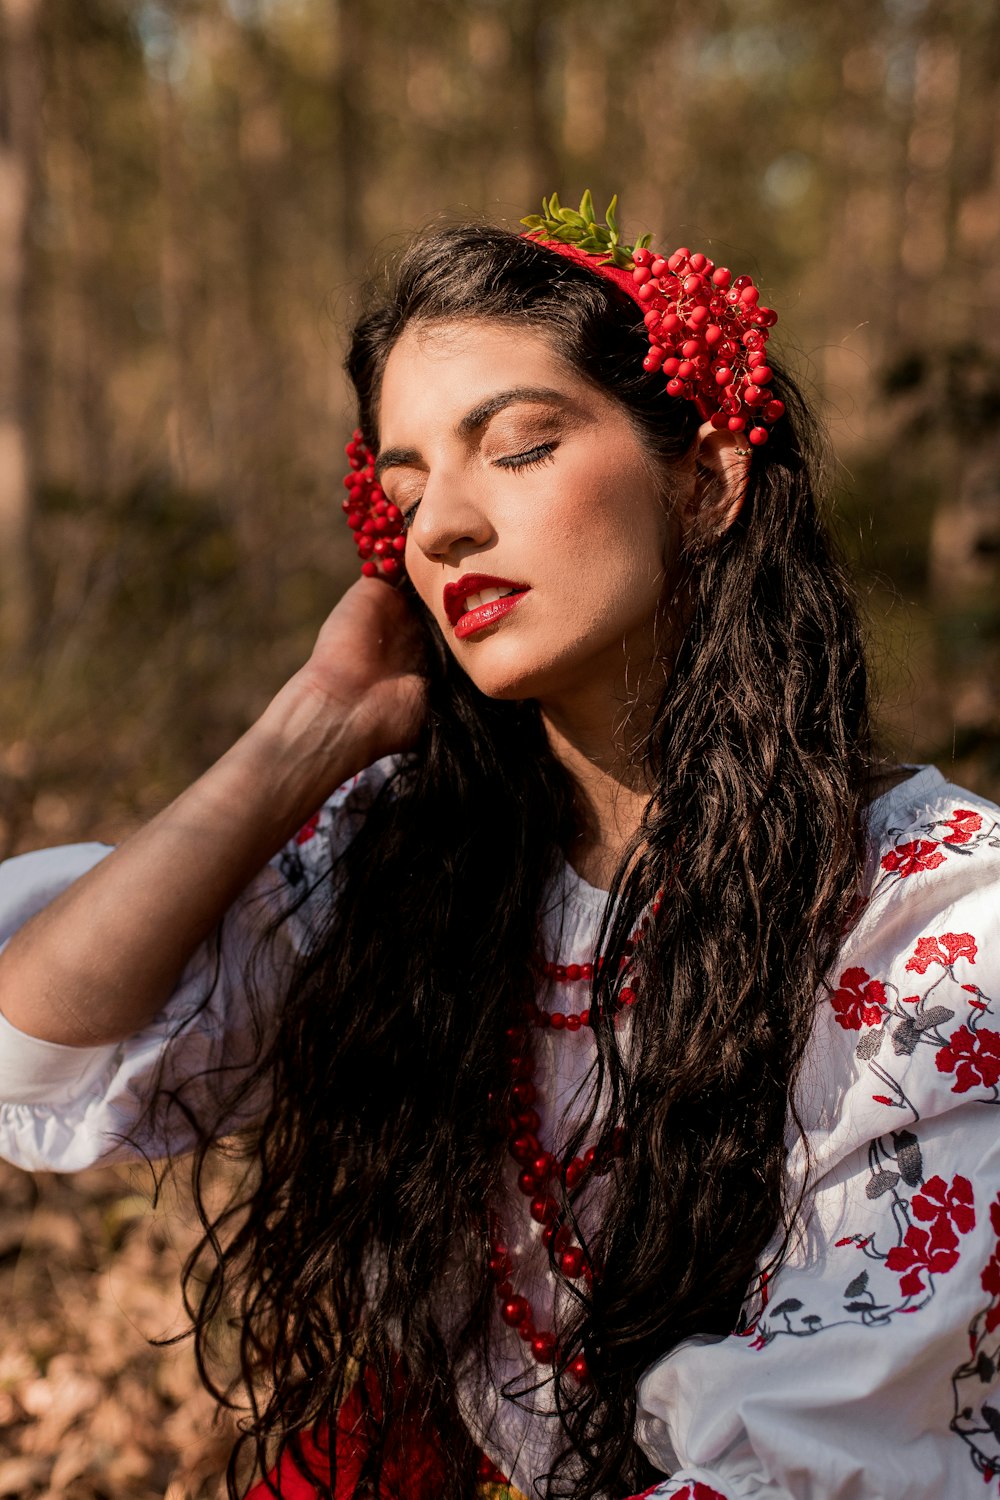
(190, 193)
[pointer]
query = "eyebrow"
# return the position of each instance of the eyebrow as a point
(477, 417)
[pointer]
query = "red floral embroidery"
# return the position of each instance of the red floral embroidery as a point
(973, 1057)
(963, 824)
(945, 950)
(907, 859)
(691, 1491)
(924, 1251)
(308, 829)
(991, 1272)
(858, 999)
(937, 1199)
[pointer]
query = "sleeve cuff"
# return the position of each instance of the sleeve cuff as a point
(33, 1071)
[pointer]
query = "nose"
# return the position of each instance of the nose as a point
(451, 520)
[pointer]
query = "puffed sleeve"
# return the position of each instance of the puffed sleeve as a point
(867, 1368)
(64, 1108)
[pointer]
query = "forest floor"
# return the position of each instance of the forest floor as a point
(90, 1409)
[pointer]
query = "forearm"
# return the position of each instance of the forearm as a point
(102, 958)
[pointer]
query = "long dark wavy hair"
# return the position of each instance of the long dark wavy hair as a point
(382, 1148)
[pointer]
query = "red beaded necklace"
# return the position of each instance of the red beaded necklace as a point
(540, 1169)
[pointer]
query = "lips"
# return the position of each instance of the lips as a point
(477, 599)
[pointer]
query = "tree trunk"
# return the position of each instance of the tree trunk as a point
(19, 114)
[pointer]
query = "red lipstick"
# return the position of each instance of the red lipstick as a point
(467, 621)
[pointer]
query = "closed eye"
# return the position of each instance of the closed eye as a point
(539, 455)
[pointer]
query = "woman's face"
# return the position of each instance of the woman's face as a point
(538, 535)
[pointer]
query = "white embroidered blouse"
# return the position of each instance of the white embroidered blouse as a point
(871, 1371)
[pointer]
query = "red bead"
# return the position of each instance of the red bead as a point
(527, 1182)
(736, 424)
(369, 570)
(626, 995)
(761, 375)
(773, 410)
(578, 1369)
(543, 1165)
(712, 335)
(528, 1120)
(390, 567)
(686, 369)
(647, 292)
(651, 318)
(573, 971)
(653, 361)
(671, 366)
(757, 436)
(659, 266)
(515, 1311)
(523, 1092)
(698, 317)
(642, 273)
(543, 1209)
(524, 1148)
(749, 296)
(723, 375)
(722, 276)
(526, 1330)
(399, 544)
(585, 1018)
(571, 1262)
(642, 257)
(670, 323)
(678, 259)
(557, 1020)
(574, 1172)
(572, 1023)
(698, 262)
(543, 1348)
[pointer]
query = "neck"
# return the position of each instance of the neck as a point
(601, 753)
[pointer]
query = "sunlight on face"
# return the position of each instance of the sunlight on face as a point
(538, 535)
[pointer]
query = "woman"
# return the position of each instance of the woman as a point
(612, 1049)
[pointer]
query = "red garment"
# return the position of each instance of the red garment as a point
(411, 1468)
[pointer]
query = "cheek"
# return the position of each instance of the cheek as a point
(621, 538)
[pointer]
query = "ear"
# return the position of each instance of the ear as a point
(721, 469)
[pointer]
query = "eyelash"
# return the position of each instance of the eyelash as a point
(516, 463)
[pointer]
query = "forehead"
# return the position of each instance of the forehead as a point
(438, 371)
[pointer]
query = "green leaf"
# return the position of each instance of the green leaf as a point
(533, 221)
(592, 243)
(545, 208)
(554, 206)
(570, 216)
(643, 242)
(587, 207)
(566, 234)
(610, 218)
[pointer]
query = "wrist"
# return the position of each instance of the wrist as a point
(306, 745)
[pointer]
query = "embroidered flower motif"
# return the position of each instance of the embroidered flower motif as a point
(991, 1272)
(308, 829)
(946, 950)
(934, 1251)
(973, 1057)
(858, 1000)
(956, 1203)
(963, 824)
(908, 859)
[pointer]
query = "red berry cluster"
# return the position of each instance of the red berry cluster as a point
(707, 334)
(377, 524)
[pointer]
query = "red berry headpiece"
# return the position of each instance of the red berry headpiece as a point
(377, 524)
(707, 333)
